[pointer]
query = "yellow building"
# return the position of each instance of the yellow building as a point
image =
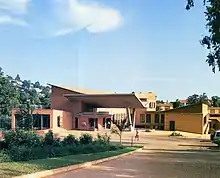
(214, 113)
(192, 118)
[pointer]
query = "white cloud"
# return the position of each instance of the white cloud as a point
(94, 17)
(14, 6)
(11, 21)
(13, 11)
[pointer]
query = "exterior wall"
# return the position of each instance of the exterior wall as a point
(59, 102)
(85, 119)
(150, 98)
(214, 110)
(67, 121)
(65, 118)
(205, 112)
(187, 122)
(112, 110)
(36, 111)
(152, 124)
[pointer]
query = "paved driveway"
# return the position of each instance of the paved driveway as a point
(155, 164)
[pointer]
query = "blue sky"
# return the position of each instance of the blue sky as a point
(117, 45)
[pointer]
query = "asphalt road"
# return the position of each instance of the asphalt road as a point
(153, 164)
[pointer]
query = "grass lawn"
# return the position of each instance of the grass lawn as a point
(10, 169)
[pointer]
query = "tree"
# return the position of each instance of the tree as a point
(215, 101)
(160, 102)
(17, 78)
(118, 127)
(8, 96)
(212, 41)
(195, 98)
(176, 104)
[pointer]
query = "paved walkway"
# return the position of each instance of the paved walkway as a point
(152, 164)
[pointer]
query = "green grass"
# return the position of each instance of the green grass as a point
(10, 169)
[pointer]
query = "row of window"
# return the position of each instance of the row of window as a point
(152, 105)
(147, 118)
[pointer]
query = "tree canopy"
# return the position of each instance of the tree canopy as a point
(22, 94)
(211, 41)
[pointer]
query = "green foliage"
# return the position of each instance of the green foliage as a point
(215, 101)
(176, 104)
(212, 41)
(49, 138)
(24, 95)
(3, 145)
(21, 137)
(4, 157)
(103, 139)
(217, 141)
(26, 145)
(70, 140)
(85, 139)
(8, 96)
(196, 98)
(175, 134)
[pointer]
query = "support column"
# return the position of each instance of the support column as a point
(41, 122)
(134, 117)
(129, 119)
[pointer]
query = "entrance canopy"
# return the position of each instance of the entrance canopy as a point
(115, 100)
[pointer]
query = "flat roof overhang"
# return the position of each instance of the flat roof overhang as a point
(107, 100)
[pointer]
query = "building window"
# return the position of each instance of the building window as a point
(58, 121)
(142, 118)
(157, 118)
(162, 118)
(148, 118)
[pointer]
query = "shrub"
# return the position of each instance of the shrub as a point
(21, 137)
(115, 147)
(57, 142)
(20, 153)
(217, 141)
(70, 140)
(175, 134)
(3, 145)
(86, 139)
(103, 139)
(4, 157)
(49, 138)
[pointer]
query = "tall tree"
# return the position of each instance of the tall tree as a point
(212, 41)
(176, 104)
(215, 101)
(8, 96)
(195, 98)
(17, 78)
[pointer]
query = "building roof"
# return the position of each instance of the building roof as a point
(80, 90)
(114, 100)
(192, 108)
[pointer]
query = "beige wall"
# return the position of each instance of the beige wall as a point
(187, 122)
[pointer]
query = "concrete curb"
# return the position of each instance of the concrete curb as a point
(73, 167)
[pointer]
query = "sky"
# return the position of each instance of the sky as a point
(110, 45)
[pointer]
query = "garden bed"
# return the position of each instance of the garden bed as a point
(24, 152)
(11, 169)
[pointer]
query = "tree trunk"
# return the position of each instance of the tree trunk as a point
(120, 138)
